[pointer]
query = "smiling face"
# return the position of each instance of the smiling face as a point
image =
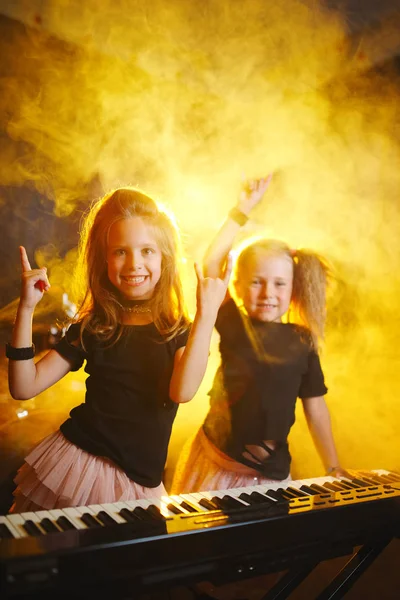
(265, 284)
(133, 258)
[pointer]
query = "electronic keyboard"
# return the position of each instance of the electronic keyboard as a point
(214, 535)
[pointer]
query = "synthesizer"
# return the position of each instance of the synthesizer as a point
(214, 535)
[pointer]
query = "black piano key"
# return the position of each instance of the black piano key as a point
(155, 512)
(367, 481)
(205, 503)
(105, 518)
(65, 524)
(247, 498)
(382, 479)
(261, 498)
(275, 494)
(297, 492)
(350, 484)
(189, 507)
(31, 528)
(174, 509)
(128, 515)
(227, 502)
(332, 486)
(309, 490)
(5, 533)
(48, 526)
(286, 494)
(89, 520)
(144, 514)
(359, 482)
(344, 485)
(392, 477)
(318, 488)
(376, 479)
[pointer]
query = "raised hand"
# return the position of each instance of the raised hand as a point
(211, 291)
(252, 192)
(34, 282)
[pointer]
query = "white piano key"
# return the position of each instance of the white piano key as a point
(193, 499)
(74, 516)
(222, 493)
(178, 499)
(45, 514)
(10, 526)
(33, 516)
(17, 521)
(111, 509)
(56, 513)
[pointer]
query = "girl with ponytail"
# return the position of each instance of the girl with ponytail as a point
(270, 334)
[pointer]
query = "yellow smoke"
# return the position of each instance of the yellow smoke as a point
(182, 98)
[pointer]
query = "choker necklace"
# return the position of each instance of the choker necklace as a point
(137, 307)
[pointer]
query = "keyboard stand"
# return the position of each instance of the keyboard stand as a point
(353, 570)
(341, 584)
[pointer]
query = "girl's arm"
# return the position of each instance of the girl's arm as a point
(319, 423)
(27, 379)
(218, 250)
(191, 361)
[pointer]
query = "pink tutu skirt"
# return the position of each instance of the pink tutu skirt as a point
(202, 466)
(57, 474)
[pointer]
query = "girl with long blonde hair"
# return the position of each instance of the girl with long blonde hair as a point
(270, 334)
(142, 356)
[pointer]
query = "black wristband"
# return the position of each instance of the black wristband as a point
(238, 216)
(20, 353)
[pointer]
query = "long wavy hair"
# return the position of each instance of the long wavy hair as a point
(99, 307)
(311, 274)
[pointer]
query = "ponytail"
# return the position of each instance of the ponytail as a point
(310, 280)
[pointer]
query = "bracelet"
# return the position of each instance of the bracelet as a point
(20, 353)
(331, 469)
(238, 216)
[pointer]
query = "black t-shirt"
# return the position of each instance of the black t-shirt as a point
(264, 368)
(127, 415)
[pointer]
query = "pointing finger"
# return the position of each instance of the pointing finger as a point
(25, 264)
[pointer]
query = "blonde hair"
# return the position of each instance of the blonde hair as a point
(99, 308)
(311, 274)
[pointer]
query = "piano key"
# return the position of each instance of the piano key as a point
(90, 520)
(308, 490)
(175, 509)
(318, 488)
(60, 519)
(110, 509)
(286, 494)
(189, 507)
(32, 522)
(49, 526)
(145, 503)
(74, 515)
(18, 522)
(5, 530)
(10, 526)
(127, 515)
(139, 509)
(297, 492)
(192, 499)
(32, 529)
(227, 502)
(102, 515)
